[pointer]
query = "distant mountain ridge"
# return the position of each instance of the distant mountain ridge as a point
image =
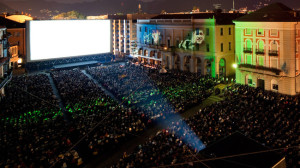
(5, 9)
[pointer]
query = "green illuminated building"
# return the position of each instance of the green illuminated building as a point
(266, 44)
(202, 43)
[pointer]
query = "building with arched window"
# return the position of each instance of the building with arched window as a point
(266, 45)
(201, 43)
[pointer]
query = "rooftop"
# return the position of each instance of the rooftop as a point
(276, 12)
(221, 18)
(10, 23)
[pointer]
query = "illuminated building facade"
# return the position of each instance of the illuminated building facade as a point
(124, 32)
(201, 43)
(5, 72)
(124, 38)
(267, 49)
(121, 32)
(16, 40)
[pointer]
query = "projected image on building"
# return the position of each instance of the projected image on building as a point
(193, 40)
(153, 37)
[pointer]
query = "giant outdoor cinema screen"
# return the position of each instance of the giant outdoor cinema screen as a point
(52, 39)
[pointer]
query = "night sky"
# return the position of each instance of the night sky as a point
(97, 7)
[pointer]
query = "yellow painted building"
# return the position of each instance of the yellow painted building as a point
(267, 49)
(201, 43)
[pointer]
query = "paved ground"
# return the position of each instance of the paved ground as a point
(55, 91)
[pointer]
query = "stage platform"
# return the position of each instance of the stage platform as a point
(77, 64)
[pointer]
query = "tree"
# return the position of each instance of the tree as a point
(69, 16)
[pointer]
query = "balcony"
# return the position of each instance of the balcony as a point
(260, 51)
(7, 77)
(247, 50)
(273, 53)
(260, 68)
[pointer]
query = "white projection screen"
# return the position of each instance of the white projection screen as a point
(53, 39)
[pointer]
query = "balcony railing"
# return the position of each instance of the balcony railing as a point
(247, 50)
(258, 67)
(260, 51)
(7, 77)
(273, 53)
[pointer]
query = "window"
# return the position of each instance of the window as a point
(229, 46)
(248, 31)
(229, 31)
(221, 31)
(261, 60)
(260, 32)
(274, 63)
(207, 31)
(248, 44)
(250, 81)
(261, 45)
(207, 47)
(274, 32)
(221, 47)
(275, 87)
(274, 48)
(169, 43)
(248, 59)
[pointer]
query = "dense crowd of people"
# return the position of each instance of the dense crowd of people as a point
(75, 87)
(31, 123)
(269, 118)
(155, 94)
(89, 107)
(35, 132)
(19, 95)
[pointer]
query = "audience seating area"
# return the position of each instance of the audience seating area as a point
(269, 118)
(35, 132)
